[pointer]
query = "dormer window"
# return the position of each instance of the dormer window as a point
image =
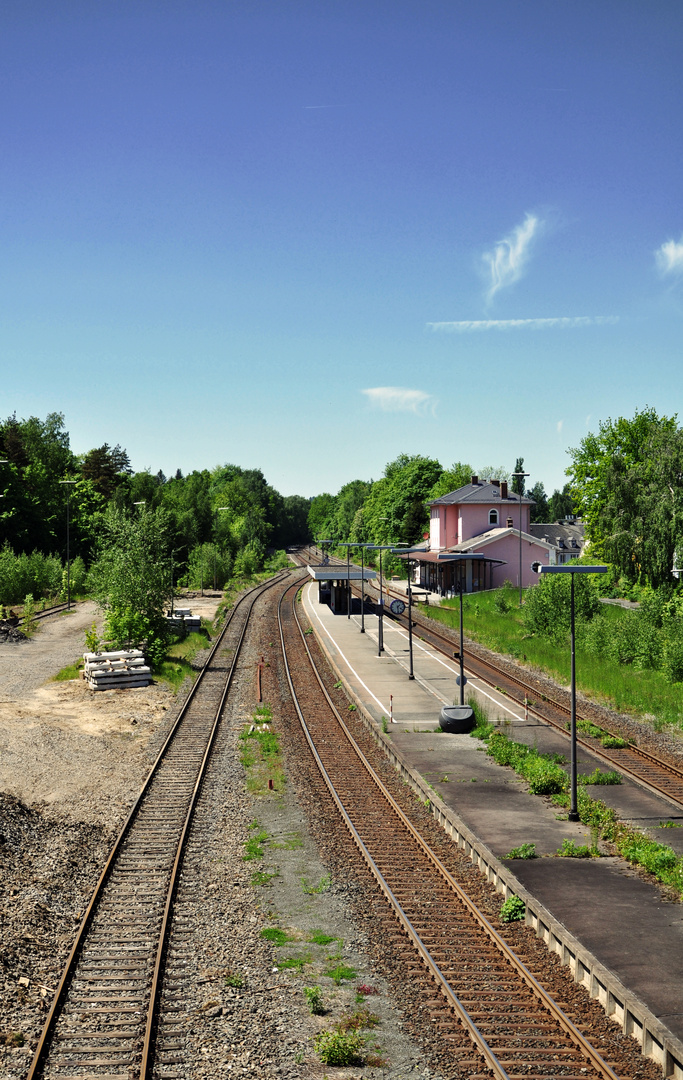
(493, 517)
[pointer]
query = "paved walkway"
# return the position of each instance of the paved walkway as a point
(621, 919)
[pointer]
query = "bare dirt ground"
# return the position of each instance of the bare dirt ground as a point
(78, 754)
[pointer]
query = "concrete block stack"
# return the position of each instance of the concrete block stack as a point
(184, 621)
(116, 670)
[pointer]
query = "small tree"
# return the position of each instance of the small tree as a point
(132, 579)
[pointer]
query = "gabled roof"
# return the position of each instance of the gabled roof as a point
(483, 539)
(479, 493)
(568, 537)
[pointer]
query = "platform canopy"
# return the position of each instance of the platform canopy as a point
(338, 573)
(420, 555)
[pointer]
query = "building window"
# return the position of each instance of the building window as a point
(493, 517)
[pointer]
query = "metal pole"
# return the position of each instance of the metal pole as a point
(462, 663)
(362, 589)
(573, 809)
(410, 624)
(380, 636)
(520, 544)
(68, 555)
(348, 582)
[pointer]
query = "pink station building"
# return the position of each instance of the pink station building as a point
(474, 540)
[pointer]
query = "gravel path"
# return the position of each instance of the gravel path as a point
(59, 641)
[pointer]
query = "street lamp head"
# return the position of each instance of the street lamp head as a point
(68, 481)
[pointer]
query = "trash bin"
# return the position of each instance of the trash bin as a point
(457, 719)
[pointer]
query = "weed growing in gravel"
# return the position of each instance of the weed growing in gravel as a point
(513, 909)
(614, 742)
(314, 998)
(233, 978)
(337, 1048)
(669, 825)
(363, 990)
(316, 937)
(276, 935)
(252, 848)
(263, 714)
(341, 973)
(13, 1038)
(295, 963)
(260, 877)
(570, 850)
(524, 851)
(361, 1018)
(261, 756)
(586, 728)
(290, 842)
(323, 885)
(385, 725)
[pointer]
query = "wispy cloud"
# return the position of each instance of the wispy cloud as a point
(505, 264)
(400, 399)
(560, 425)
(471, 326)
(670, 257)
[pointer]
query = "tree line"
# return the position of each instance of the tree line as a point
(218, 522)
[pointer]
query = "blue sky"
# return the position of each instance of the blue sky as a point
(308, 236)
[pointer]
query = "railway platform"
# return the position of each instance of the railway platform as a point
(620, 918)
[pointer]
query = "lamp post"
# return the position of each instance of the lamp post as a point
(521, 475)
(68, 553)
(539, 568)
(362, 547)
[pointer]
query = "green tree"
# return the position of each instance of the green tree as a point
(131, 579)
(560, 504)
(518, 481)
(547, 605)
(451, 479)
(539, 511)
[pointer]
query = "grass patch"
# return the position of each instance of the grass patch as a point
(179, 661)
(276, 935)
(599, 777)
(71, 671)
(316, 937)
(639, 692)
(294, 963)
(341, 973)
(361, 1018)
(253, 846)
(261, 755)
(290, 842)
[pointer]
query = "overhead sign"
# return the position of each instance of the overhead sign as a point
(397, 607)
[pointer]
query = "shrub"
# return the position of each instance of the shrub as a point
(314, 998)
(672, 658)
(339, 1048)
(513, 910)
(524, 851)
(613, 742)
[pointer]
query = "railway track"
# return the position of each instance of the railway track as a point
(645, 768)
(103, 1022)
(487, 1006)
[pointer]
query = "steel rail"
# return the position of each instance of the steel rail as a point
(44, 1042)
(618, 757)
(546, 1001)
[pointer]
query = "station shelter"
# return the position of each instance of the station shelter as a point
(449, 572)
(334, 584)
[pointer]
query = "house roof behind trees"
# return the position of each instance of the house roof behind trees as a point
(569, 536)
(481, 491)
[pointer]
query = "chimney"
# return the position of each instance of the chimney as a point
(504, 490)
(510, 523)
(496, 483)
(475, 479)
